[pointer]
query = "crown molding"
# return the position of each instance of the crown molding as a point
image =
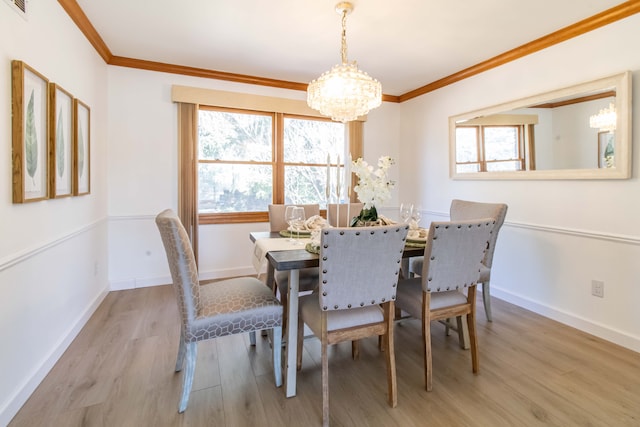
(616, 13)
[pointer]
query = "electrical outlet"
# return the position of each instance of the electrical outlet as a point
(597, 288)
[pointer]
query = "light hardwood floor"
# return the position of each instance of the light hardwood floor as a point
(533, 372)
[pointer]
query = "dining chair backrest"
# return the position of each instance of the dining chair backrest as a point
(346, 211)
(359, 266)
(182, 265)
(462, 210)
(453, 254)
(277, 221)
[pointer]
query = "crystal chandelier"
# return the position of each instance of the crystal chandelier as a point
(605, 120)
(344, 92)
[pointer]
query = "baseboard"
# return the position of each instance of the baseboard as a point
(135, 283)
(15, 402)
(597, 329)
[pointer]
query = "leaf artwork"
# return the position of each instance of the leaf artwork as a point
(31, 140)
(80, 150)
(60, 145)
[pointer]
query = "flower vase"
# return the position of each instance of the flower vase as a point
(367, 217)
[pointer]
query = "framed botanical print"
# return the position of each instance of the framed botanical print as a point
(81, 148)
(30, 133)
(606, 149)
(60, 142)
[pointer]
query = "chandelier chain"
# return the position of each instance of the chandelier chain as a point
(344, 36)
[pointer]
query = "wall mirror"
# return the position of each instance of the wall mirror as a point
(578, 132)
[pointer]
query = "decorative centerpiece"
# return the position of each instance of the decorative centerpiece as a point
(373, 188)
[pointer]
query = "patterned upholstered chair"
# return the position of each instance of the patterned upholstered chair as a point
(347, 211)
(453, 262)
(217, 309)
(359, 270)
(308, 279)
(462, 210)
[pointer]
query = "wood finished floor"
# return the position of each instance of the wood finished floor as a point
(533, 372)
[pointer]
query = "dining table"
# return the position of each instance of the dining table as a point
(282, 257)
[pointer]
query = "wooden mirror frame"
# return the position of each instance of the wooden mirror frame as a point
(621, 83)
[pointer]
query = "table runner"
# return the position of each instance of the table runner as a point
(263, 246)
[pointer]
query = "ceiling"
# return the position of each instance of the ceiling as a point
(405, 44)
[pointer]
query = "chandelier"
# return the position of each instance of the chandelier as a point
(344, 92)
(605, 120)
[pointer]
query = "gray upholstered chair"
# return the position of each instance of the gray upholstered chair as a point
(453, 261)
(308, 278)
(359, 271)
(347, 211)
(462, 210)
(217, 309)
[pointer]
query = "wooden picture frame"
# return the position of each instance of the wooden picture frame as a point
(606, 139)
(81, 148)
(60, 142)
(30, 133)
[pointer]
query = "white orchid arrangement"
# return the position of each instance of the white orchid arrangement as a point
(374, 186)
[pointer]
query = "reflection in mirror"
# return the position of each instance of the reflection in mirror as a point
(581, 132)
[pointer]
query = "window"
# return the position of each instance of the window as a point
(484, 148)
(249, 159)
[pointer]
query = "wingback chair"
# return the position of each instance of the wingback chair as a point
(359, 271)
(453, 261)
(216, 309)
(462, 210)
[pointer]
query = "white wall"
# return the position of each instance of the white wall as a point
(143, 176)
(53, 257)
(559, 235)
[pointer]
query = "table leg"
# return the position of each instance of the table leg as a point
(292, 333)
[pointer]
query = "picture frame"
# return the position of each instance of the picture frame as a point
(81, 148)
(60, 142)
(30, 133)
(606, 150)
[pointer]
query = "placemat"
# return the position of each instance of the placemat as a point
(289, 233)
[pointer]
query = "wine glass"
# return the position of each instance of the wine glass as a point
(298, 219)
(416, 215)
(406, 210)
(290, 219)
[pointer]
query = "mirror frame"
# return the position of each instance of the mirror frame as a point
(622, 84)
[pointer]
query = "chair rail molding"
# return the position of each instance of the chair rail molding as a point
(26, 254)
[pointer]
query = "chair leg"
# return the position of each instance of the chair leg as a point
(463, 332)
(285, 310)
(181, 351)
(471, 323)
(191, 353)
(486, 299)
(355, 349)
(276, 348)
(426, 340)
(325, 372)
(392, 384)
(252, 338)
(299, 343)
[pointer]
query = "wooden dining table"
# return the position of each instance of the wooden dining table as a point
(292, 261)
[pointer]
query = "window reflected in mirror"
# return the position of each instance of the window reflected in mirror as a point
(575, 132)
